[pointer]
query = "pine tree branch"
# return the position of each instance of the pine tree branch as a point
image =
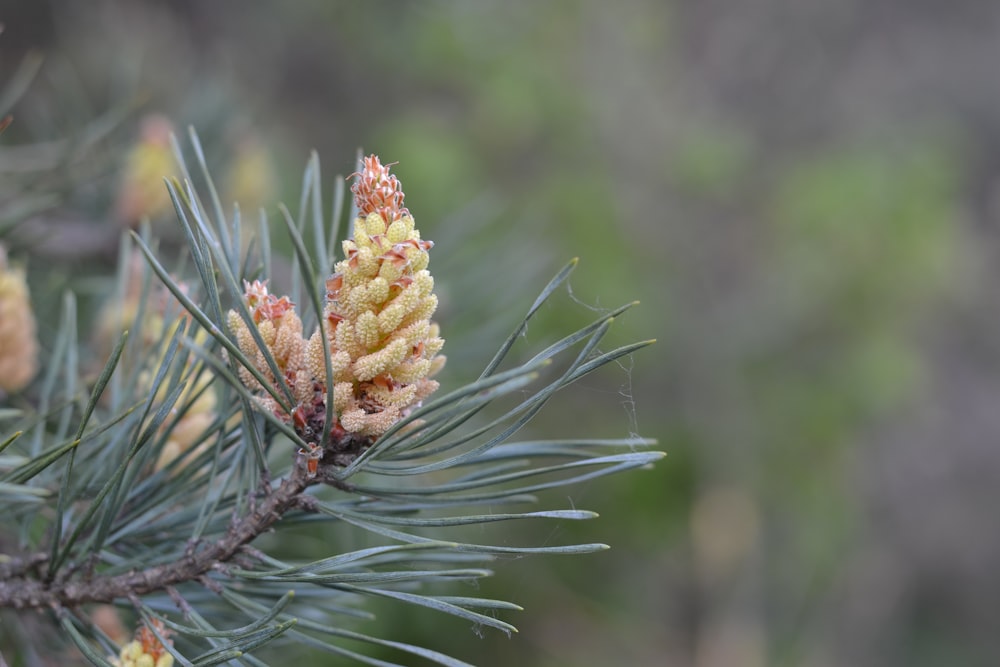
(19, 591)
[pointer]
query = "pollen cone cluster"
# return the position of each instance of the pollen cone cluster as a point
(184, 431)
(18, 343)
(383, 346)
(161, 317)
(281, 330)
(145, 650)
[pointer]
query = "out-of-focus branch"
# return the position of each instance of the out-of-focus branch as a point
(21, 591)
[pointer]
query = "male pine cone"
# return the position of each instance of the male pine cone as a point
(383, 346)
(18, 341)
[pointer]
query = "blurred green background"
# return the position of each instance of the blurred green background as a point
(802, 195)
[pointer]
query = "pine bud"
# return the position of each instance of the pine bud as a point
(146, 650)
(162, 316)
(251, 177)
(281, 330)
(18, 342)
(142, 193)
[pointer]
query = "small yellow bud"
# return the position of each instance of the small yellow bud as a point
(146, 650)
(18, 343)
(343, 394)
(374, 225)
(367, 329)
(132, 650)
(142, 192)
(251, 176)
(399, 230)
(391, 272)
(370, 365)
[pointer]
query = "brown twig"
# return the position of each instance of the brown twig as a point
(22, 592)
(22, 589)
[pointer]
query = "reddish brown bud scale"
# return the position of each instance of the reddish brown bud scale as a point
(383, 382)
(376, 191)
(265, 306)
(150, 644)
(333, 285)
(396, 256)
(299, 419)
